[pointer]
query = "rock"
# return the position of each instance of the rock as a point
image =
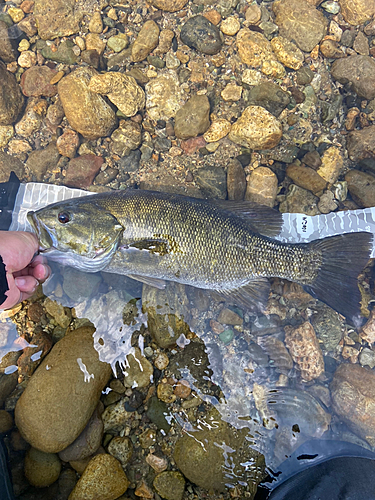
(117, 43)
(41, 469)
(8, 51)
(327, 203)
(306, 178)
(86, 112)
(165, 40)
(262, 187)
(6, 134)
(353, 394)
(81, 171)
(88, 441)
(332, 164)
(256, 129)
(205, 466)
(232, 92)
(367, 357)
(305, 350)
(11, 99)
(217, 130)
(367, 332)
(9, 163)
(130, 163)
(139, 370)
(169, 5)
(200, 34)
(287, 52)
(304, 76)
(357, 12)
(120, 89)
(121, 448)
(35, 82)
(42, 161)
(299, 200)
(236, 181)
(360, 44)
(68, 143)
(96, 23)
(357, 70)
(64, 53)
(6, 421)
(55, 19)
(230, 26)
(102, 479)
(167, 312)
(229, 317)
(193, 118)
(27, 59)
(58, 401)
(328, 327)
(212, 182)
(331, 49)
(146, 41)
(163, 96)
(126, 137)
(28, 26)
(170, 485)
(31, 120)
(269, 95)
(361, 187)
(157, 412)
(115, 416)
(253, 48)
(361, 143)
(299, 21)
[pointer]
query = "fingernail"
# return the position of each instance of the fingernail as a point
(20, 281)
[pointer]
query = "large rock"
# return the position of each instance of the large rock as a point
(256, 129)
(357, 11)
(8, 164)
(62, 393)
(361, 188)
(147, 40)
(300, 22)
(87, 112)
(262, 187)
(42, 161)
(361, 144)
(35, 82)
(357, 70)
(11, 98)
(169, 5)
(193, 118)
(57, 19)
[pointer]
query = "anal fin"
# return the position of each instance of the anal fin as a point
(252, 295)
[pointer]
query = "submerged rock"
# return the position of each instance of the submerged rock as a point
(200, 34)
(11, 99)
(193, 118)
(357, 70)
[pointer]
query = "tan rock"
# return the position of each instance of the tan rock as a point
(273, 69)
(169, 5)
(367, 332)
(253, 48)
(357, 11)
(41, 469)
(147, 40)
(94, 42)
(262, 187)
(256, 129)
(120, 89)
(139, 372)
(213, 16)
(232, 92)
(86, 112)
(165, 42)
(55, 19)
(218, 129)
(306, 178)
(230, 26)
(332, 164)
(6, 133)
(68, 143)
(163, 96)
(253, 14)
(305, 350)
(59, 400)
(96, 23)
(287, 52)
(103, 479)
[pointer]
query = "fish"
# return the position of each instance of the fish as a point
(225, 246)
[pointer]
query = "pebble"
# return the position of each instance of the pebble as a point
(159, 464)
(170, 485)
(35, 82)
(253, 13)
(301, 22)
(331, 6)
(299, 200)
(50, 414)
(94, 42)
(6, 421)
(41, 161)
(253, 48)
(96, 23)
(218, 129)
(251, 77)
(103, 479)
(230, 26)
(86, 112)
(256, 129)
(121, 448)
(306, 178)
(169, 5)
(41, 469)
(115, 417)
(359, 71)
(357, 12)
(367, 357)
(165, 42)
(6, 134)
(126, 137)
(192, 118)
(117, 43)
(331, 49)
(81, 171)
(262, 187)
(200, 34)
(161, 361)
(360, 44)
(171, 61)
(163, 96)
(332, 164)
(144, 491)
(327, 203)
(236, 181)
(120, 89)
(213, 16)
(139, 372)
(182, 389)
(11, 99)
(352, 393)
(147, 40)
(232, 92)
(268, 95)
(361, 186)
(229, 317)
(287, 52)
(16, 14)
(68, 143)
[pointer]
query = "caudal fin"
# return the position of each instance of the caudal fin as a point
(344, 257)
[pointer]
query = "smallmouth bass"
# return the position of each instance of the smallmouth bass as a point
(210, 244)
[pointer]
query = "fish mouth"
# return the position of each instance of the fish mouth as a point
(46, 239)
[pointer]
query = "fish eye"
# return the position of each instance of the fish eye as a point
(63, 217)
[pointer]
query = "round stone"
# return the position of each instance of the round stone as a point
(200, 34)
(41, 469)
(230, 26)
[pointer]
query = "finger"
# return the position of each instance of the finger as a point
(17, 249)
(27, 284)
(41, 272)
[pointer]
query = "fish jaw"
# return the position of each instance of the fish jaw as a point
(45, 236)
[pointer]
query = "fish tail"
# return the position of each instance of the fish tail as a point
(343, 258)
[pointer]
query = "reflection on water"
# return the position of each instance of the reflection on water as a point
(246, 408)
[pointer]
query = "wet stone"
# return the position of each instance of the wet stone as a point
(304, 76)
(115, 417)
(139, 372)
(170, 485)
(357, 70)
(96, 23)
(147, 40)
(64, 53)
(262, 187)
(118, 43)
(328, 327)
(299, 21)
(212, 182)
(8, 51)
(9, 163)
(6, 421)
(163, 96)
(130, 163)
(126, 137)
(6, 134)
(287, 52)
(42, 161)
(360, 44)
(361, 187)
(306, 178)
(361, 143)
(332, 164)
(367, 357)
(357, 11)
(169, 5)
(299, 200)
(253, 48)
(35, 82)
(156, 412)
(200, 34)
(236, 181)
(193, 118)
(81, 171)
(217, 130)
(41, 469)
(11, 99)
(121, 448)
(269, 95)
(55, 19)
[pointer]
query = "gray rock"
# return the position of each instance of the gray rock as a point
(361, 143)
(269, 95)
(8, 51)
(236, 181)
(11, 98)
(200, 34)
(130, 163)
(328, 327)
(299, 200)
(304, 75)
(193, 118)
(367, 357)
(357, 70)
(43, 160)
(64, 53)
(212, 182)
(121, 448)
(9, 163)
(361, 187)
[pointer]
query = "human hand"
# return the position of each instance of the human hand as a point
(24, 272)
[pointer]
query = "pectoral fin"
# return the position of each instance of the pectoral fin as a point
(155, 282)
(253, 295)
